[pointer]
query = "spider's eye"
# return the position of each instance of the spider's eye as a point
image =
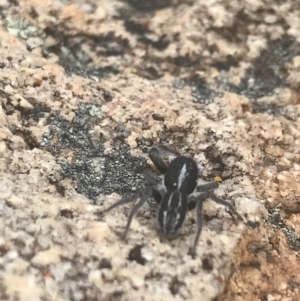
(172, 212)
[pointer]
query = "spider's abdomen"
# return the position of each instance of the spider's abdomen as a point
(172, 212)
(182, 175)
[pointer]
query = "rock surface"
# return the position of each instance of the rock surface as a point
(87, 87)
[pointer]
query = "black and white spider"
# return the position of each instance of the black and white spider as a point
(176, 193)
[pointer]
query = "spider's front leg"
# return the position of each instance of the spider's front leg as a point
(143, 195)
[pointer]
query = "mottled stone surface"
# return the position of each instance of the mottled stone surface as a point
(87, 87)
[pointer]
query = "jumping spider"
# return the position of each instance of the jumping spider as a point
(176, 193)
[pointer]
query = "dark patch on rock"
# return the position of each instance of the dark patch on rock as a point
(209, 242)
(226, 64)
(108, 97)
(174, 285)
(144, 144)
(13, 2)
(26, 135)
(238, 31)
(36, 113)
(293, 284)
(148, 6)
(275, 221)
(160, 44)
(135, 254)
(102, 72)
(252, 264)
(158, 117)
(269, 160)
(269, 108)
(66, 213)
(145, 35)
(114, 296)
(185, 61)
(207, 264)
(270, 258)
(153, 275)
(253, 225)
(33, 13)
(105, 264)
(268, 71)
(201, 92)
(4, 249)
(199, 89)
(3, 292)
(19, 243)
(59, 187)
(179, 84)
(150, 72)
(219, 168)
(92, 171)
(74, 59)
(136, 27)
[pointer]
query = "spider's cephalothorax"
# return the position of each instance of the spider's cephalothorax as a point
(176, 193)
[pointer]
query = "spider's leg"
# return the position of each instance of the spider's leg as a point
(226, 204)
(197, 202)
(207, 186)
(123, 201)
(144, 197)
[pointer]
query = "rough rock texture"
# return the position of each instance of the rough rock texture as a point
(87, 87)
